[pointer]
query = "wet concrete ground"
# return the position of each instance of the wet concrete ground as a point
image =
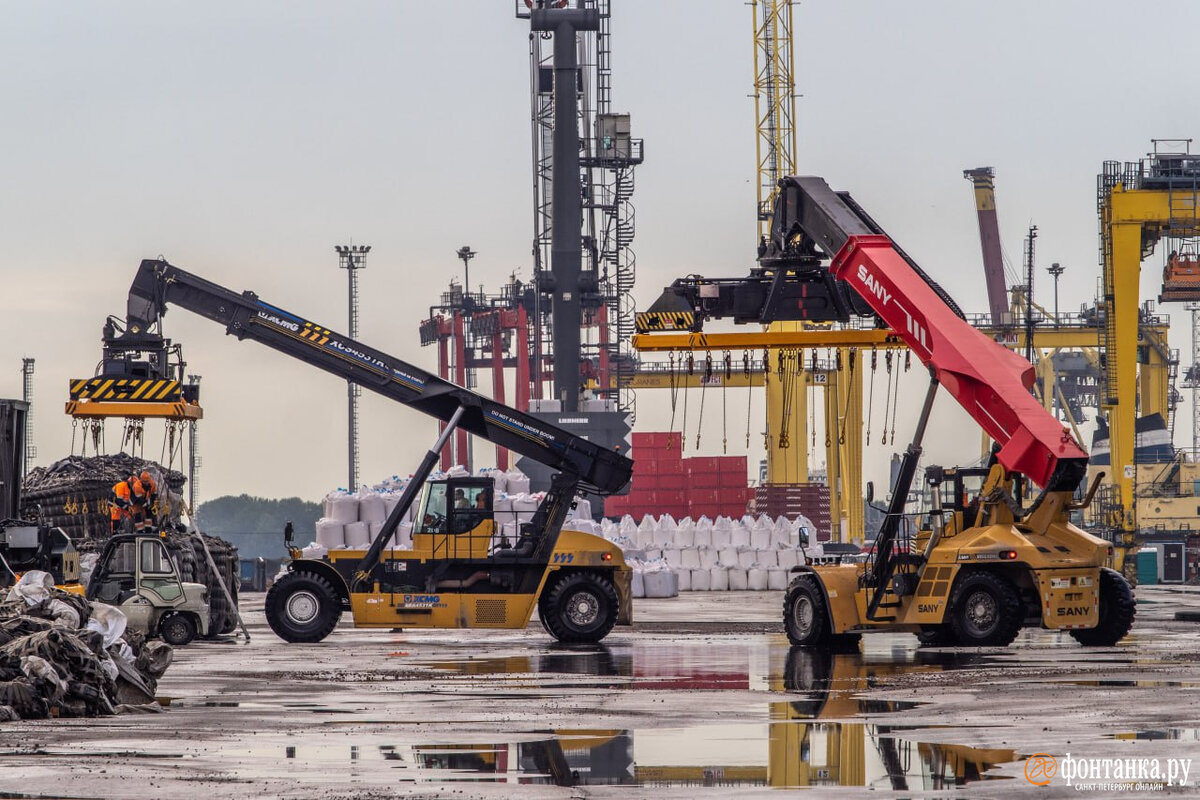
(702, 698)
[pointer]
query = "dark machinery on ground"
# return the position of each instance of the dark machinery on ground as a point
(26, 546)
(984, 567)
(461, 572)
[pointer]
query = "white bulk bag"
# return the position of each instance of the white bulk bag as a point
(701, 580)
(708, 557)
(639, 584)
(390, 501)
(663, 538)
(343, 508)
(357, 536)
(518, 482)
(767, 558)
(702, 537)
(667, 523)
(331, 534)
(777, 579)
(683, 578)
(739, 536)
(373, 529)
(720, 579)
(728, 557)
(760, 537)
(371, 507)
(653, 554)
(757, 579)
(737, 579)
(788, 558)
(689, 558)
(671, 556)
(747, 557)
(685, 537)
(660, 583)
(402, 538)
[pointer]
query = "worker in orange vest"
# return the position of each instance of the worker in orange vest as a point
(127, 501)
(151, 504)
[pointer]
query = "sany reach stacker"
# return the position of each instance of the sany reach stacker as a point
(461, 571)
(989, 562)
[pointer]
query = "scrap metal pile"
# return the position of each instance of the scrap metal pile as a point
(73, 492)
(62, 656)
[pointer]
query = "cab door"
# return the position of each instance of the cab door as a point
(158, 581)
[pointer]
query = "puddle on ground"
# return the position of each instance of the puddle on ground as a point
(1109, 682)
(1181, 734)
(760, 666)
(789, 751)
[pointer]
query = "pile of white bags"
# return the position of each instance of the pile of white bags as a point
(711, 555)
(352, 520)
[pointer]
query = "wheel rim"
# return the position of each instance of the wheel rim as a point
(583, 609)
(302, 607)
(174, 629)
(802, 613)
(982, 612)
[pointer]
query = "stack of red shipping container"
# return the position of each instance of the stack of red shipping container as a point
(664, 482)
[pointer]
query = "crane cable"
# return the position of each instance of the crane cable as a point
(766, 368)
(674, 390)
(852, 357)
(871, 391)
(895, 405)
(887, 395)
(725, 405)
(691, 369)
(788, 391)
(749, 391)
(704, 381)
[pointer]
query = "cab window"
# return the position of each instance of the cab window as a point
(124, 558)
(154, 558)
(432, 518)
(472, 505)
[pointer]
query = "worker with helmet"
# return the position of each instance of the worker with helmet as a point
(127, 500)
(151, 505)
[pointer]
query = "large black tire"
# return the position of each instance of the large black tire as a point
(805, 613)
(579, 607)
(177, 629)
(1118, 607)
(985, 611)
(937, 636)
(303, 607)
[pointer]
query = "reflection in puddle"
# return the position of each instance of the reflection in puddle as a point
(1182, 734)
(804, 741)
(798, 752)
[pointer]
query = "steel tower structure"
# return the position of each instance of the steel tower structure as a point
(774, 101)
(27, 396)
(352, 258)
(607, 156)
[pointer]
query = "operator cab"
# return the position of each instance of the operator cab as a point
(455, 518)
(961, 488)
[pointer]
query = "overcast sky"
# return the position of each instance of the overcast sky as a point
(243, 141)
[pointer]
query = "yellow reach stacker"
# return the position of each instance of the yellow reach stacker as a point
(461, 572)
(991, 559)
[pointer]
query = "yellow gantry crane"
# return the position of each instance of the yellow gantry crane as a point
(1138, 203)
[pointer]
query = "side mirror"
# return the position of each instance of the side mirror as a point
(870, 492)
(289, 533)
(804, 537)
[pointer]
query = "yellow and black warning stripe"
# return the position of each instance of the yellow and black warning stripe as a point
(315, 333)
(142, 390)
(649, 321)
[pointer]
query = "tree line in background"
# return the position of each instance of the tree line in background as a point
(246, 514)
